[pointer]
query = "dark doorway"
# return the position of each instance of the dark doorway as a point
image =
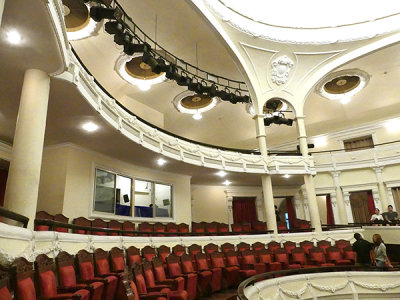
(360, 202)
(244, 209)
(4, 165)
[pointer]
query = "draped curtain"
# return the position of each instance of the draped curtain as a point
(362, 206)
(291, 212)
(396, 197)
(330, 220)
(371, 203)
(244, 209)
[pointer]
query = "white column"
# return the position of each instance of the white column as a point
(305, 205)
(2, 2)
(377, 202)
(229, 200)
(349, 212)
(260, 134)
(269, 208)
(260, 211)
(341, 207)
(335, 208)
(381, 189)
(26, 159)
(312, 203)
(391, 198)
(298, 203)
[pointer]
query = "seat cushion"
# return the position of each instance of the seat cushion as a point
(344, 262)
(5, 294)
(85, 294)
(48, 284)
(294, 266)
(247, 273)
(178, 295)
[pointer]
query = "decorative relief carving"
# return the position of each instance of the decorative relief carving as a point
(281, 67)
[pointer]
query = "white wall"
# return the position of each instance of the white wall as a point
(209, 204)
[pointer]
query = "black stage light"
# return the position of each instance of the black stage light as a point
(309, 146)
(284, 121)
(99, 13)
(268, 121)
(123, 38)
(114, 27)
(196, 87)
(210, 90)
(184, 80)
(231, 98)
(148, 59)
(223, 94)
(243, 99)
(160, 67)
(172, 72)
(130, 49)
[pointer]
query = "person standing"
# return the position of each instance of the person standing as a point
(380, 257)
(363, 250)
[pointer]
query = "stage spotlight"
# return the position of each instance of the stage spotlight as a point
(242, 99)
(284, 121)
(148, 59)
(196, 87)
(210, 90)
(99, 13)
(309, 146)
(130, 49)
(268, 121)
(172, 72)
(114, 27)
(184, 80)
(223, 94)
(123, 39)
(160, 67)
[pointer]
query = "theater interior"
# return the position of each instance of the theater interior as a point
(199, 149)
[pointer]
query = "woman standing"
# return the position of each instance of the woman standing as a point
(380, 256)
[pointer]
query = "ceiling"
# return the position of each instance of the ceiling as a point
(180, 27)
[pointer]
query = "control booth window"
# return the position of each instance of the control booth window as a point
(113, 193)
(153, 199)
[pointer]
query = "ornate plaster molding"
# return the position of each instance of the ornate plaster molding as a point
(280, 69)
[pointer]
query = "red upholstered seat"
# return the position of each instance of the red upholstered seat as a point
(257, 246)
(148, 253)
(198, 227)
(249, 259)
(145, 227)
(242, 246)
(99, 223)
(62, 219)
(230, 275)
(159, 227)
(47, 282)
(223, 228)
(183, 228)
(117, 260)
(175, 270)
(246, 227)
(156, 291)
(265, 256)
(236, 228)
(282, 226)
(212, 228)
(283, 257)
(67, 276)
(317, 257)
(334, 255)
(113, 224)
(178, 250)
(204, 276)
(133, 256)
(259, 226)
(233, 261)
(289, 246)
(203, 265)
(193, 250)
(163, 252)
(341, 244)
(272, 246)
(42, 215)
(349, 254)
(128, 226)
(299, 257)
(152, 296)
(81, 221)
(5, 293)
(324, 245)
(103, 270)
(306, 245)
(226, 247)
(172, 227)
(210, 248)
(159, 272)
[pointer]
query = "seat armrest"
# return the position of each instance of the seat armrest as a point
(72, 289)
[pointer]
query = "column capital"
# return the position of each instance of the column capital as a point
(335, 173)
(378, 170)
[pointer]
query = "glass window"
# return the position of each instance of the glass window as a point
(104, 191)
(163, 200)
(143, 199)
(123, 196)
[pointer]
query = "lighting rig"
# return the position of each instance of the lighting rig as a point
(132, 43)
(276, 116)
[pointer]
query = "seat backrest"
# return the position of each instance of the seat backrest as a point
(299, 255)
(133, 256)
(148, 253)
(341, 244)
(288, 246)
(149, 274)
(282, 226)
(281, 256)
(99, 223)
(246, 227)
(178, 250)
(202, 262)
(163, 251)
(222, 227)
(333, 253)
(348, 253)
(257, 246)
(42, 215)
(174, 266)
(265, 256)
(81, 221)
(317, 255)
(65, 269)
(187, 263)
(259, 226)
(24, 287)
(248, 256)
(242, 246)
(210, 248)
(211, 227)
(172, 227)
(114, 224)
(232, 259)
(194, 249)
(44, 267)
(324, 245)
(139, 279)
(62, 219)
(236, 227)
(226, 247)
(86, 264)
(145, 227)
(273, 246)
(183, 228)
(217, 260)
(198, 227)
(159, 227)
(306, 245)
(159, 270)
(5, 293)
(117, 259)
(128, 226)
(101, 261)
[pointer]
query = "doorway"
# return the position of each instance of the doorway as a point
(244, 209)
(362, 204)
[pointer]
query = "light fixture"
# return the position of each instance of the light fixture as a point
(286, 176)
(90, 127)
(143, 86)
(99, 13)
(227, 182)
(320, 141)
(161, 161)
(221, 173)
(345, 100)
(13, 37)
(279, 120)
(393, 125)
(197, 116)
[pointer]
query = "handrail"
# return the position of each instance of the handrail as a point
(52, 224)
(269, 275)
(356, 148)
(14, 216)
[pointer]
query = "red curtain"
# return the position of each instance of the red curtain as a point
(244, 209)
(330, 220)
(291, 212)
(371, 203)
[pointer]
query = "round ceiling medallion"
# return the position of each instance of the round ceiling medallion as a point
(342, 84)
(134, 71)
(189, 102)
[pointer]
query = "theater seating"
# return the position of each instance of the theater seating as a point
(5, 293)
(335, 256)
(175, 270)
(231, 276)
(288, 246)
(178, 282)
(283, 257)
(226, 247)
(148, 253)
(242, 246)
(232, 260)
(210, 248)
(203, 276)
(324, 245)
(265, 256)
(299, 256)
(155, 292)
(317, 258)
(133, 256)
(178, 250)
(249, 259)
(203, 265)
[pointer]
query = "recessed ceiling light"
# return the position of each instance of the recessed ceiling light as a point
(320, 141)
(161, 161)
(393, 125)
(14, 37)
(345, 100)
(227, 182)
(197, 116)
(286, 176)
(143, 86)
(221, 173)
(90, 127)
